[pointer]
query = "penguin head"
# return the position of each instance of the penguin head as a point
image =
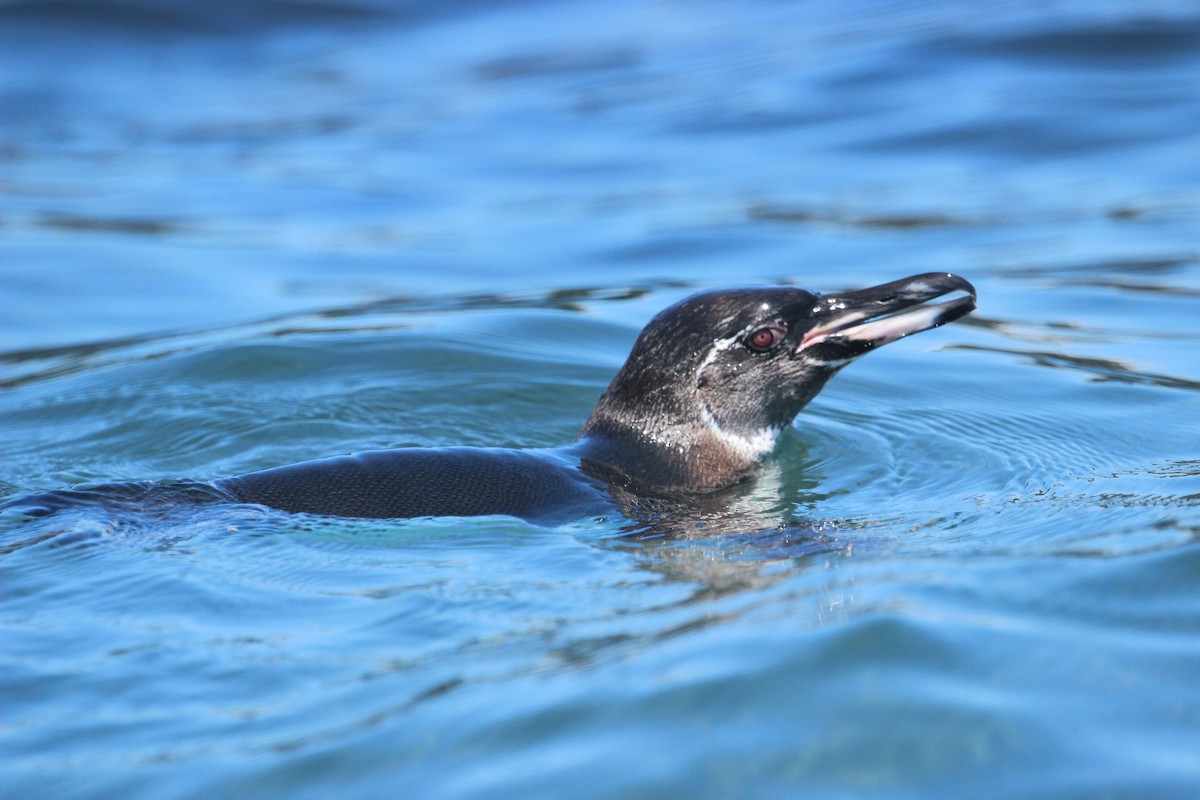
(718, 375)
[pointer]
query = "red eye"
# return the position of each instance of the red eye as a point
(764, 339)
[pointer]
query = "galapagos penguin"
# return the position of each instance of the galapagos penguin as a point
(706, 390)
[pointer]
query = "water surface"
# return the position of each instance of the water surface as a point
(240, 235)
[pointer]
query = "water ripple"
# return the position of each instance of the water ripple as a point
(1098, 369)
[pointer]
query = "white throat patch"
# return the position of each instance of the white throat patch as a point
(752, 447)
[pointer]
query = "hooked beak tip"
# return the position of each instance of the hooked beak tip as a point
(868, 318)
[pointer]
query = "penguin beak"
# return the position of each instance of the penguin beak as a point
(855, 322)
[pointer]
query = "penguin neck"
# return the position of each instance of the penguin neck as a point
(673, 452)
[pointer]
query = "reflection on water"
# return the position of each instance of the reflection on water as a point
(1098, 369)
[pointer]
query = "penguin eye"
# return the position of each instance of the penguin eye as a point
(765, 338)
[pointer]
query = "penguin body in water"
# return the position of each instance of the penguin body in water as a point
(705, 392)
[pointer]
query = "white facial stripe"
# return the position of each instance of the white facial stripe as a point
(757, 444)
(720, 346)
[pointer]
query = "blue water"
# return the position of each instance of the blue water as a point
(236, 235)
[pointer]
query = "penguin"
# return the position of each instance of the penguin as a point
(701, 400)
